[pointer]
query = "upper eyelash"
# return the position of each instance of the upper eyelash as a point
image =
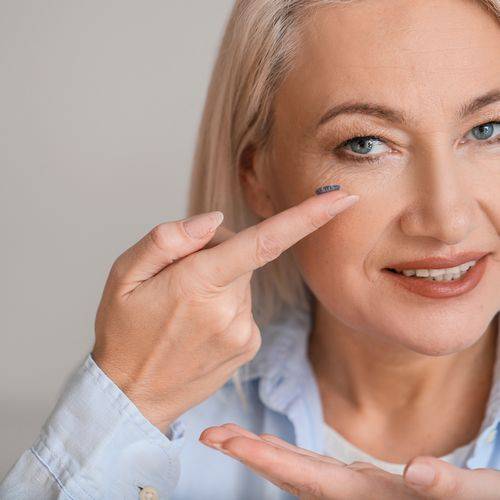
(370, 159)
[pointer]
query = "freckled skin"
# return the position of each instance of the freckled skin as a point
(375, 345)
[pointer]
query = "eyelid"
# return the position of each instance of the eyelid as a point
(334, 140)
(355, 128)
(352, 130)
(356, 131)
(483, 118)
(379, 138)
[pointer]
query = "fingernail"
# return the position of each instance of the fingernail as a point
(326, 189)
(200, 225)
(420, 474)
(219, 447)
(342, 203)
(212, 444)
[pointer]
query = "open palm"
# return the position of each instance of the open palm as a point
(311, 476)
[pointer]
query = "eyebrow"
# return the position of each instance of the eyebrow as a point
(396, 116)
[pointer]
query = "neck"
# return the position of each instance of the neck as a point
(362, 378)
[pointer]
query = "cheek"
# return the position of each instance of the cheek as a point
(337, 258)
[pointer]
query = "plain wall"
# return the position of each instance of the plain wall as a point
(99, 107)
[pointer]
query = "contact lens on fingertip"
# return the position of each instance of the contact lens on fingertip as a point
(326, 189)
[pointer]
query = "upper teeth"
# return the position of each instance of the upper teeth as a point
(445, 272)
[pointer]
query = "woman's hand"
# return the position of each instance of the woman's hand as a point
(312, 476)
(175, 320)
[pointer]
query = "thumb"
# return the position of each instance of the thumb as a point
(437, 479)
(165, 243)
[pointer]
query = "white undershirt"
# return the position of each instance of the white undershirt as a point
(338, 447)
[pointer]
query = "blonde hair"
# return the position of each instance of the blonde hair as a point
(255, 54)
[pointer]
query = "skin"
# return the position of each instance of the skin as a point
(175, 318)
(173, 296)
(384, 358)
(311, 476)
(434, 191)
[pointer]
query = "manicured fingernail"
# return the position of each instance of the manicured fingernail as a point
(340, 204)
(212, 444)
(420, 474)
(326, 189)
(218, 447)
(200, 225)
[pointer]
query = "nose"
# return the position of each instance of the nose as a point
(443, 208)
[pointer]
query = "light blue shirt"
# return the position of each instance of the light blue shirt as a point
(97, 445)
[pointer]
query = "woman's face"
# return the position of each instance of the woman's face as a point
(429, 185)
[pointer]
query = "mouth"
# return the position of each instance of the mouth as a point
(437, 274)
(436, 278)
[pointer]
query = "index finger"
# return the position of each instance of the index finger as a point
(257, 245)
(298, 473)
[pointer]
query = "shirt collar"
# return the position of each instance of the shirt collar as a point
(284, 347)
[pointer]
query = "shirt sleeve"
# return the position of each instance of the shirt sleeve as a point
(96, 444)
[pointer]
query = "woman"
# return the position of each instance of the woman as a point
(361, 360)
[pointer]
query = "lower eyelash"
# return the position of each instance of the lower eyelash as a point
(361, 159)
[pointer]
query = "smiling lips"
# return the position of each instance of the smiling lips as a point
(422, 283)
(438, 262)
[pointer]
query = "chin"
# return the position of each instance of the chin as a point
(430, 326)
(438, 335)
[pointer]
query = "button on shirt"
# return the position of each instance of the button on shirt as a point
(148, 493)
(97, 445)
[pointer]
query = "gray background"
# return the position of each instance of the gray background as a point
(99, 105)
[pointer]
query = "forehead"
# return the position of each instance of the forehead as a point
(418, 55)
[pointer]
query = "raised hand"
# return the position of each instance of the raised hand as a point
(175, 320)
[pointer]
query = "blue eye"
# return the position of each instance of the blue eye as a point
(485, 131)
(361, 146)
